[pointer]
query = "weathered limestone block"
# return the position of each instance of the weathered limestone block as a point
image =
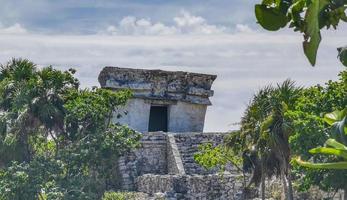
(150, 157)
(165, 153)
(157, 84)
(184, 96)
(190, 187)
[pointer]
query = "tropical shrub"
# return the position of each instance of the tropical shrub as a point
(262, 142)
(310, 129)
(280, 123)
(119, 196)
(336, 145)
(56, 140)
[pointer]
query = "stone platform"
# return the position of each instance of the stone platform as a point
(164, 163)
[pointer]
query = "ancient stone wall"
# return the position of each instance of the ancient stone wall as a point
(163, 154)
(191, 187)
(186, 117)
(150, 158)
(182, 116)
(186, 96)
(135, 114)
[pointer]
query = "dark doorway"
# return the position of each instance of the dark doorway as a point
(158, 119)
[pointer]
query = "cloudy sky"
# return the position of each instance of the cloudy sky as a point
(211, 36)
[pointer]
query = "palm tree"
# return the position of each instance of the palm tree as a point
(32, 101)
(264, 135)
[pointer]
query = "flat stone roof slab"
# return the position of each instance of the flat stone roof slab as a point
(158, 84)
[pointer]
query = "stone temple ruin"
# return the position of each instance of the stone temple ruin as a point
(163, 101)
(169, 109)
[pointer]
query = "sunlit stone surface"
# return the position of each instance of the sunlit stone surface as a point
(186, 96)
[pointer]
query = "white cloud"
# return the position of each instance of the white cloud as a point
(188, 23)
(133, 26)
(14, 29)
(185, 23)
(243, 62)
(243, 28)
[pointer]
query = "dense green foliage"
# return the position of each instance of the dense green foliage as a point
(311, 130)
(210, 156)
(262, 141)
(305, 16)
(336, 144)
(56, 140)
(283, 122)
(306, 119)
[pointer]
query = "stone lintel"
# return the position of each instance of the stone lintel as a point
(158, 84)
(160, 102)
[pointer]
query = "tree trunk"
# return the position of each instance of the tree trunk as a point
(290, 187)
(263, 187)
(284, 184)
(262, 179)
(287, 186)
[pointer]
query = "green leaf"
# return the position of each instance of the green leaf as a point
(338, 130)
(312, 34)
(329, 151)
(270, 18)
(296, 8)
(335, 116)
(331, 118)
(336, 165)
(337, 145)
(343, 54)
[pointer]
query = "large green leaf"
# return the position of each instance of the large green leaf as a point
(343, 55)
(335, 116)
(336, 165)
(329, 151)
(337, 145)
(339, 130)
(270, 18)
(332, 117)
(338, 122)
(312, 34)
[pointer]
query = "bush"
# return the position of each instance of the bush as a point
(119, 196)
(57, 141)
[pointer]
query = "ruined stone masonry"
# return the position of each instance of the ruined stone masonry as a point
(164, 163)
(163, 100)
(169, 109)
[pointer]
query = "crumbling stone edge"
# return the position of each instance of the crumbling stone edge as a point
(175, 164)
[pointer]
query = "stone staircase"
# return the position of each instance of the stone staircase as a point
(165, 164)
